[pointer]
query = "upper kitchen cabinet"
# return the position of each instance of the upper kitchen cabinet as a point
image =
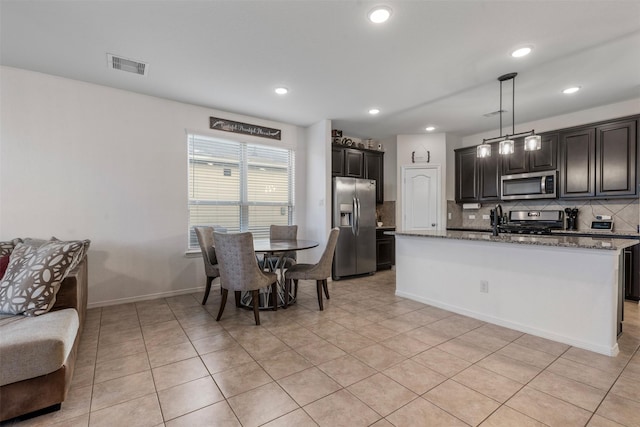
(521, 161)
(353, 163)
(374, 169)
(477, 179)
(337, 161)
(599, 161)
(466, 175)
(359, 163)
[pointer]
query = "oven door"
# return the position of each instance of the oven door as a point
(538, 185)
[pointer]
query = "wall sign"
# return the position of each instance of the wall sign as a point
(244, 128)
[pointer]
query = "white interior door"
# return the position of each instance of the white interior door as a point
(421, 197)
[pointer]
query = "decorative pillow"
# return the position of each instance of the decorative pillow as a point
(7, 247)
(33, 276)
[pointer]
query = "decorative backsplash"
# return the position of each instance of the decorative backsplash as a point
(386, 212)
(625, 213)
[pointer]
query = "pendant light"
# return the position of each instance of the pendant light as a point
(507, 145)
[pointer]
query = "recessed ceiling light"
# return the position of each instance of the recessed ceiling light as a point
(430, 128)
(374, 111)
(379, 14)
(519, 53)
(282, 90)
(570, 90)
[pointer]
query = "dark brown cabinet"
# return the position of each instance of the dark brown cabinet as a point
(337, 161)
(466, 175)
(353, 163)
(359, 163)
(521, 161)
(477, 179)
(599, 161)
(632, 273)
(374, 169)
(385, 250)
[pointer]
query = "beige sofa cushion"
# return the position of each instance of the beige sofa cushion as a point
(35, 346)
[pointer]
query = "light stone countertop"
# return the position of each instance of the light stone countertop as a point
(605, 242)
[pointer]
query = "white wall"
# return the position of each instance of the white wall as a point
(606, 112)
(318, 188)
(79, 161)
(390, 147)
(453, 142)
(436, 145)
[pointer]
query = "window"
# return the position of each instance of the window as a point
(238, 186)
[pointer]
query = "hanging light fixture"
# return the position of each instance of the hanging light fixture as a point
(507, 145)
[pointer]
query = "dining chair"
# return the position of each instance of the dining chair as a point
(239, 269)
(282, 232)
(205, 239)
(318, 272)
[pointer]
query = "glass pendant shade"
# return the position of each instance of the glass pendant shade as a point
(532, 143)
(483, 150)
(506, 146)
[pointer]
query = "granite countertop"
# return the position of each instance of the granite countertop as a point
(608, 243)
(578, 233)
(386, 227)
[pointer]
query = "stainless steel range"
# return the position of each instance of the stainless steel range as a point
(533, 222)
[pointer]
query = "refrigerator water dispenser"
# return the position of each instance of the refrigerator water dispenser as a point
(346, 215)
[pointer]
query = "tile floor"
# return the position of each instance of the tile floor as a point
(370, 358)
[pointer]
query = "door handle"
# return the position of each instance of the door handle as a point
(433, 224)
(354, 216)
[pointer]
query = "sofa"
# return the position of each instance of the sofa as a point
(38, 353)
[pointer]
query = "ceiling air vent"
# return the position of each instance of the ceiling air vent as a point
(118, 63)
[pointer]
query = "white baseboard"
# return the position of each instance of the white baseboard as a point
(607, 351)
(144, 297)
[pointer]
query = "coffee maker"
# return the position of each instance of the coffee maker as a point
(572, 218)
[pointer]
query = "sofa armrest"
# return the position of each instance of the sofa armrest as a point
(73, 291)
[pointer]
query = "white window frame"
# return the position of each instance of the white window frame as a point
(243, 203)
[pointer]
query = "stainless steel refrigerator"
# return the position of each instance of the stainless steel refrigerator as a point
(354, 211)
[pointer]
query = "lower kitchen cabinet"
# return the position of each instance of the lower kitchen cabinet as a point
(632, 273)
(385, 249)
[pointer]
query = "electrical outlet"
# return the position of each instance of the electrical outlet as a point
(449, 215)
(484, 286)
(472, 217)
(486, 216)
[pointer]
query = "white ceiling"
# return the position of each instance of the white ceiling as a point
(433, 62)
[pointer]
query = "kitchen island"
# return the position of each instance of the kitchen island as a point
(564, 288)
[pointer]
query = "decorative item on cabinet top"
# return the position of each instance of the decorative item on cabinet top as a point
(421, 156)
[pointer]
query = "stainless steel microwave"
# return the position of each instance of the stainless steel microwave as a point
(534, 185)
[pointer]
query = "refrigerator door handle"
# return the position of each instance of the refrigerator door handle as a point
(355, 217)
(358, 217)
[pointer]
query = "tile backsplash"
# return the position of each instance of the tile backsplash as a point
(386, 212)
(625, 213)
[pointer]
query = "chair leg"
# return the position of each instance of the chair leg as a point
(255, 296)
(238, 297)
(223, 301)
(326, 288)
(319, 289)
(295, 289)
(206, 291)
(287, 289)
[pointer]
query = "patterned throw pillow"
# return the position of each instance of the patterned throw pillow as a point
(7, 247)
(33, 276)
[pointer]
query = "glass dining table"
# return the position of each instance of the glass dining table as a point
(272, 248)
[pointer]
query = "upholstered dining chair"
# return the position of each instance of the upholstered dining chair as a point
(282, 232)
(239, 269)
(318, 272)
(205, 239)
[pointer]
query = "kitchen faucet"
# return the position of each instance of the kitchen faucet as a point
(496, 218)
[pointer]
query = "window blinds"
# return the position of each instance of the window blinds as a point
(238, 186)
